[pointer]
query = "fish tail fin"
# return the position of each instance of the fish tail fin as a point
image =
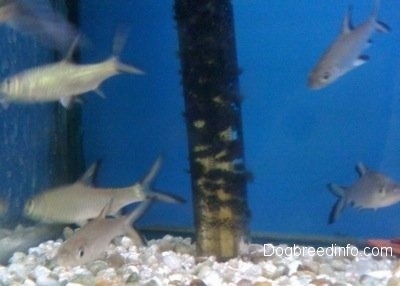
(124, 68)
(380, 26)
(150, 192)
(375, 12)
(118, 45)
(340, 204)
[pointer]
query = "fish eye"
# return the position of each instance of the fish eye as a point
(81, 252)
(326, 75)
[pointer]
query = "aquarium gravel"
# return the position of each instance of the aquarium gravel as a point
(171, 261)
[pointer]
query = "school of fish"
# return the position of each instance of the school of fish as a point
(97, 210)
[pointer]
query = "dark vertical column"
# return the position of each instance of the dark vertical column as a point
(69, 131)
(213, 119)
(40, 144)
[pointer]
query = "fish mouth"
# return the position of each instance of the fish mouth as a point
(313, 80)
(313, 84)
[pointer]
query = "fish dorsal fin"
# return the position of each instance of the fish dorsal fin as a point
(105, 210)
(346, 25)
(88, 177)
(361, 169)
(71, 49)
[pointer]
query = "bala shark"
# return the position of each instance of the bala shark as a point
(88, 243)
(80, 201)
(345, 53)
(63, 80)
(373, 190)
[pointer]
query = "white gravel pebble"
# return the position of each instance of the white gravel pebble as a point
(172, 261)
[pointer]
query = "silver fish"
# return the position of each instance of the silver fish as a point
(373, 190)
(90, 242)
(80, 201)
(38, 19)
(63, 80)
(345, 53)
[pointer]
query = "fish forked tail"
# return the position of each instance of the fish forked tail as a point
(118, 45)
(151, 193)
(134, 216)
(340, 204)
(379, 26)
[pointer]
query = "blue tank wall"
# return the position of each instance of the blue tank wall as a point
(296, 140)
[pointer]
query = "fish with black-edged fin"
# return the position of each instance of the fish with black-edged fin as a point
(90, 242)
(80, 201)
(345, 53)
(64, 80)
(373, 190)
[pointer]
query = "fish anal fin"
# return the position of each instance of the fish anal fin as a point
(360, 60)
(66, 101)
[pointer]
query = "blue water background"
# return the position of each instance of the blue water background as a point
(296, 140)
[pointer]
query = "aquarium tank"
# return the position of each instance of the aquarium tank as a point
(208, 142)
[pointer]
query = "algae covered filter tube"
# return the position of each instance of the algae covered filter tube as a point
(213, 120)
(40, 144)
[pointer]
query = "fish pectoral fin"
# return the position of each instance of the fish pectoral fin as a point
(337, 209)
(360, 60)
(336, 190)
(135, 236)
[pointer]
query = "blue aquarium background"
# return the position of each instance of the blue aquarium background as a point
(296, 140)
